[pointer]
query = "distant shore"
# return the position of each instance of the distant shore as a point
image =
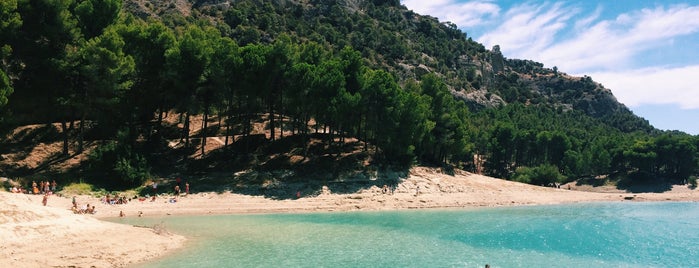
(424, 188)
(26, 226)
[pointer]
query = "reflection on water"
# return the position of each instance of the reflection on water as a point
(581, 235)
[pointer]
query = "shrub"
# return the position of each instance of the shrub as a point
(523, 175)
(119, 164)
(77, 189)
(539, 175)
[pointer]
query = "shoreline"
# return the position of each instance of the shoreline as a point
(231, 204)
(87, 240)
(436, 190)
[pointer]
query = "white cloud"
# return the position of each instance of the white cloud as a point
(654, 86)
(610, 50)
(531, 32)
(585, 23)
(464, 15)
(528, 29)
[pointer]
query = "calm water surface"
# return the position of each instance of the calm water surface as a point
(581, 235)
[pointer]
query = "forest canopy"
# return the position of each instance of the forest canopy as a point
(376, 72)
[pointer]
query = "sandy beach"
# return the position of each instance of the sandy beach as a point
(38, 236)
(53, 236)
(436, 190)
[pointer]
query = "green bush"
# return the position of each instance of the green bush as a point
(118, 165)
(539, 175)
(77, 189)
(523, 175)
(693, 182)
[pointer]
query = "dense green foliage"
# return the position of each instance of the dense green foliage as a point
(370, 70)
(540, 175)
(9, 23)
(117, 165)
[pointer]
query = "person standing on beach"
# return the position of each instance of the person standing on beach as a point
(186, 188)
(46, 199)
(155, 188)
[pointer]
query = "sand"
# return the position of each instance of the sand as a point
(38, 236)
(436, 190)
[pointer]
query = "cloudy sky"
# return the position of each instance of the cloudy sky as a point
(645, 51)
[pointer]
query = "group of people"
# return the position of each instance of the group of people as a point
(47, 188)
(114, 200)
(18, 190)
(84, 209)
(43, 187)
(178, 190)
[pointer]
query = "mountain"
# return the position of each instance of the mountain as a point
(408, 45)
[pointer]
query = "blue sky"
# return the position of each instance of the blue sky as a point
(646, 52)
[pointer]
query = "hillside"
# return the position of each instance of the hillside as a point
(123, 91)
(407, 44)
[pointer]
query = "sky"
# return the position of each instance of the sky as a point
(645, 51)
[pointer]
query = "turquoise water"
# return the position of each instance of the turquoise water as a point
(580, 235)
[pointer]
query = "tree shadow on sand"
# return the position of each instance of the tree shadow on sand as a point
(641, 182)
(288, 168)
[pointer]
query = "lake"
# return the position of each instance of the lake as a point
(623, 234)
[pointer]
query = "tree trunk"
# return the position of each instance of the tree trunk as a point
(219, 121)
(64, 128)
(279, 122)
(203, 130)
(81, 133)
(228, 133)
(159, 124)
(271, 121)
(281, 113)
(228, 123)
(246, 114)
(185, 131)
